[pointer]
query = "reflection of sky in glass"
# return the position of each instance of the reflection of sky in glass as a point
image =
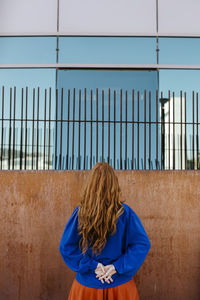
(32, 78)
(22, 78)
(179, 51)
(177, 80)
(107, 50)
(186, 81)
(27, 77)
(27, 50)
(126, 80)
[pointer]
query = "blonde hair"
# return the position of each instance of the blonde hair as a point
(99, 207)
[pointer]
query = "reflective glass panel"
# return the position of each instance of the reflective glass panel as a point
(181, 115)
(107, 50)
(105, 118)
(185, 51)
(27, 50)
(27, 99)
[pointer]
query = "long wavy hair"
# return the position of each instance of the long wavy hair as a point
(99, 208)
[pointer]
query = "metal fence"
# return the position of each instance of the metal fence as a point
(75, 128)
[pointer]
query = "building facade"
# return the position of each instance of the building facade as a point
(89, 81)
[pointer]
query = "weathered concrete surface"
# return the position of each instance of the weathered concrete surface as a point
(35, 206)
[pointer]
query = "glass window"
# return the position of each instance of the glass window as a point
(116, 137)
(179, 51)
(26, 141)
(27, 50)
(181, 107)
(107, 50)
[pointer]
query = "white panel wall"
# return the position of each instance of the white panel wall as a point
(100, 17)
(28, 16)
(108, 16)
(179, 16)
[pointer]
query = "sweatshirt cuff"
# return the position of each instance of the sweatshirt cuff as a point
(116, 264)
(93, 264)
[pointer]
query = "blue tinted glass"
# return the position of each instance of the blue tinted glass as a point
(187, 80)
(179, 51)
(20, 103)
(98, 108)
(107, 50)
(183, 107)
(27, 50)
(27, 77)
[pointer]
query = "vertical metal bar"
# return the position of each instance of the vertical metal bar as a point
(33, 126)
(45, 107)
(126, 134)
(91, 124)
(49, 140)
(156, 129)
(169, 129)
(197, 141)
(145, 123)
(73, 129)
(79, 131)
(149, 130)
(181, 128)
(97, 125)
(37, 128)
(185, 135)
(102, 125)
(85, 95)
(25, 156)
(109, 125)
(68, 129)
(61, 125)
(21, 142)
(114, 124)
(2, 128)
(56, 128)
(138, 157)
(193, 127)
(13, 158)
(173, 132)
(40, 143)
(120, 129)
(10, 129)
(132, 128)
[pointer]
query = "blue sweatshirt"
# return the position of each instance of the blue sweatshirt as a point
(126, 250)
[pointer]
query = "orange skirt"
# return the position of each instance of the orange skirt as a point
(126, 291)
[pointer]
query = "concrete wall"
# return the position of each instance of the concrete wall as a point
(35, 206)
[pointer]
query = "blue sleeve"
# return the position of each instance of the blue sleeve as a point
(69, 247)
(138, 247)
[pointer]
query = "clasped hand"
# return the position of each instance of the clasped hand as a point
(105, 272)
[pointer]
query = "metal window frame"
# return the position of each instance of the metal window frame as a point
(100, 34)
(99, 66)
